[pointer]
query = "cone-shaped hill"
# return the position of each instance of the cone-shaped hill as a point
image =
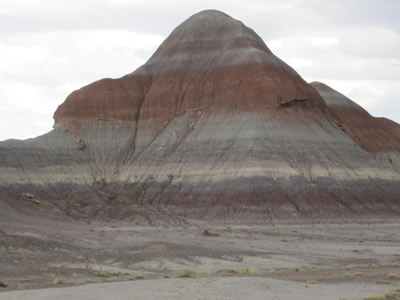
(212, 127)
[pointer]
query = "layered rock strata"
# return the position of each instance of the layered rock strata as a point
(378, 136)
(213, 127)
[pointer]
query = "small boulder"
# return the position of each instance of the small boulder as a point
(208, 233)
(28, 195)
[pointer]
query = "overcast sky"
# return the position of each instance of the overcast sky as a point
(48, 48)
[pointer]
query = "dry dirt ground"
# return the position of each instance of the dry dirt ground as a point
(76, 260)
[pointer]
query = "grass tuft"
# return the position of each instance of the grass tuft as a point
(187, 273)
(58, 281)
(106, 273)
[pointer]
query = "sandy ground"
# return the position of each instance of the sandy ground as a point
(42, 259)
(257, 288)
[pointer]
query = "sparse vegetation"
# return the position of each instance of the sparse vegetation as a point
(77, 256)
(387, 296)
(58, 281)
(382, 281)
(356, 251)
(187, 273)
(106, 273)
(378, 297)
(311, 281)
(137, 277)
(102, 273)
(246, 271)
(165, 276)
(2, 284)
(394, 264)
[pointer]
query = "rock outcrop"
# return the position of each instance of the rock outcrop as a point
(213, 127)
(378, 136)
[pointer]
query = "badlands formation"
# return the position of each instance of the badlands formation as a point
(213, 142)
(213, 127)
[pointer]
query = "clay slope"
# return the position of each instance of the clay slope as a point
(213, 127)
(378, 136)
